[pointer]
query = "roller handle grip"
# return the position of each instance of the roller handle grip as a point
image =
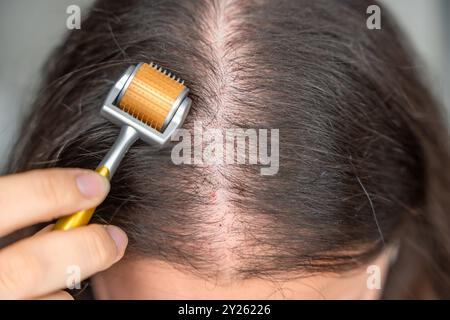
(82, 217)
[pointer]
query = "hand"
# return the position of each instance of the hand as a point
(36, 267)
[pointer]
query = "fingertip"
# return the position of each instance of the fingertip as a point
(120, 239)
(91, 184)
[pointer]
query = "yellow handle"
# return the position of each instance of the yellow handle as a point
(80, 218)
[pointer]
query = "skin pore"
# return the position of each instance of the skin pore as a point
(153, 279)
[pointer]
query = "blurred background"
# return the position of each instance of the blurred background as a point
(30, 29)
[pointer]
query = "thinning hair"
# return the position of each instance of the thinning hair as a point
(363, 149)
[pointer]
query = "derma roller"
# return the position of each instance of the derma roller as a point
(147, 102)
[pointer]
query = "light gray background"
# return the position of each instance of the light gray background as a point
(29, 30)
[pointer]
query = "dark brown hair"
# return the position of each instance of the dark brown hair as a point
(363, 146)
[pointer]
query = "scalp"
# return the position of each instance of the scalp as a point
(347, 153)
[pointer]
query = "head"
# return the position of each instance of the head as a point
(362, 151)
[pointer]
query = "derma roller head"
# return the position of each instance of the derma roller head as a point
(149, 99)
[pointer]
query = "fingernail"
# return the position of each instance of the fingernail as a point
(120, 238)
(92, 185)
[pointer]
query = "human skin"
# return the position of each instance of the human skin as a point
(36, 267)
(151, 279)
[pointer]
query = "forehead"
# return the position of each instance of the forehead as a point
(151, 279)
